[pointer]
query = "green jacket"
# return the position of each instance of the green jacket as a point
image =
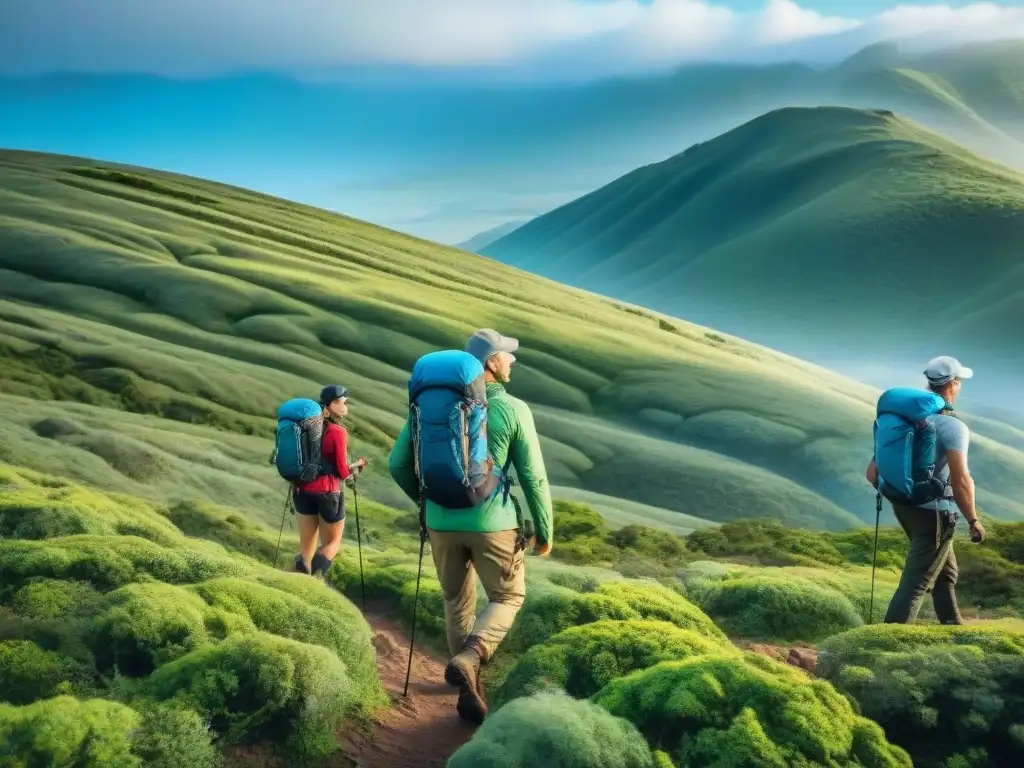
(510, 427)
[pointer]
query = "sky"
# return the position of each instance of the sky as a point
(513, 38)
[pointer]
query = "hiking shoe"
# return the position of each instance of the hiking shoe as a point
(320, 565)
(464, 671)
(300, 565)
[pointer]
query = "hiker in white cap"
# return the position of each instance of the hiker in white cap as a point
(931, 563)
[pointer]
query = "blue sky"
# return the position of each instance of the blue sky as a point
(520, 38)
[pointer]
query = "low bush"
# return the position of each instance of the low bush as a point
(66, 731)
(582, 660)
(949, 695)
(27, 672)
(94, 733)
(177, 631)
(721, 710)
(656, 601)
(771, 608)
(262, 685)
(582, 536)
(557, 731)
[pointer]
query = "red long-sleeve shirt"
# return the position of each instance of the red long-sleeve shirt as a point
(334, 449)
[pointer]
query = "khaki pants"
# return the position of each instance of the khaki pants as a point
(930, 567)
(458, 557)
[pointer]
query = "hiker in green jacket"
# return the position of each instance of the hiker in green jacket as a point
(483, 538)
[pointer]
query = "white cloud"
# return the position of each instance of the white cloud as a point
(193, 37)
(977, 19)
(784, 20)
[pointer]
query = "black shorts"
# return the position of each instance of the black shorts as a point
(329, 506)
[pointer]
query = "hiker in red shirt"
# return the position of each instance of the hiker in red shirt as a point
(320, 505)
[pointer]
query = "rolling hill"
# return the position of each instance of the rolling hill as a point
(447, 160)
(853, 238)
(151, 323)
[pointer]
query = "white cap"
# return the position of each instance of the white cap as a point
(944, 369)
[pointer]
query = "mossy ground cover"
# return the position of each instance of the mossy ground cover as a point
(159, 647)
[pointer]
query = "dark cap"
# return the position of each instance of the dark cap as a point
(487, 342)
(331, 393)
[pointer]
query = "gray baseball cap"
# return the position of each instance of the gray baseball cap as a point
(942, 370)
(486, 342)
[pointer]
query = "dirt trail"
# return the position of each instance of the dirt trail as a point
(421, 731)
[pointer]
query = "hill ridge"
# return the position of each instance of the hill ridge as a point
(865, 188)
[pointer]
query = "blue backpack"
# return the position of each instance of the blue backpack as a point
(448, 409)
(300, 429)
(905, 451)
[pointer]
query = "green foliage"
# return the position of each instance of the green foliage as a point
(949, 695)
(145, 625)
(27, 672)
(181, 630)
(552, 729)
(777, 608)
(263, 685)
(766, 541)
(66, 731)
(722, 710)
(582, 660)
(583, 536)
(172, 736)
(656, 601)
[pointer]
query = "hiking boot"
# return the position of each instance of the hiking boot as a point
(464, 671)
(320, 565)
(300, 565)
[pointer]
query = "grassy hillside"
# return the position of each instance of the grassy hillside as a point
(164, 307)
(850, 237)
(150, 324)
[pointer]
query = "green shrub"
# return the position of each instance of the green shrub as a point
(944, 693)
(582, 660)
(773, 608)
(172, 736)
(767, 541)
(64, 731)
(724, 710)
(54, 599)
(553, 730)
(146, 625)
(329, 620)
(548, 612)
(260, 685)
(27, 672)
(109, 562)
(656, 601)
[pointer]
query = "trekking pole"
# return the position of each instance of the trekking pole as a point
(359, 544)
(284, 514)
(874, 557)
(412, 635)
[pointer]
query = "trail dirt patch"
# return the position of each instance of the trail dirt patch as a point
(420, 731)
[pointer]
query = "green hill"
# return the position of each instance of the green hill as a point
(853, 238)
(169, 306)
(150, 323)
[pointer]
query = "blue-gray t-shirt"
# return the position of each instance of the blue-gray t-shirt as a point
(951, 434)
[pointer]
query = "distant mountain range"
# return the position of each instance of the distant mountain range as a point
(853, 238)
(485, 238)
(446, 161)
